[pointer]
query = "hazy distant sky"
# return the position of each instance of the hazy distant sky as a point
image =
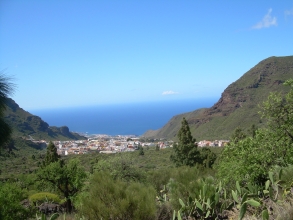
(82, 52)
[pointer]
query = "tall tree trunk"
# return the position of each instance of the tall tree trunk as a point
(68, 205)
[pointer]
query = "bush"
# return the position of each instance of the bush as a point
(117, 199)
(250, 159)
(121, 167)
(10, 197)
(44, 197)
(159, 178)
(187, 182)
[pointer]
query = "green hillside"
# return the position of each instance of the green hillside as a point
(25, 157)
(238, 105)
(30, 126)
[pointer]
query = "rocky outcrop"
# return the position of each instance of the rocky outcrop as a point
(49, 208)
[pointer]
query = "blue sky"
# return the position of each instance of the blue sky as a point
(81, 53)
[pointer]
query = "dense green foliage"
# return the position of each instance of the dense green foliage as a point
(66, 178)
(278, 111)
(116, 199)
(10, 208)
(252, 157)
(121, 167)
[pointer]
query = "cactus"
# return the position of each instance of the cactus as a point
(265, 214)
(205, 206)
(162, 197)
(241, 196)
(209, 205)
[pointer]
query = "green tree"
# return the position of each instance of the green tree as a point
(157, 147)
(252, 130)
(140, 151)
(208, 158)
(51, 154)
(6, 88)
(185, 152)
(67, 178)
(237, 135)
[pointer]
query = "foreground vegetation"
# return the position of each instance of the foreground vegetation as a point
(250, 178)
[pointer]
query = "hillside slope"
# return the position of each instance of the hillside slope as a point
(30, 126)
(238, 105)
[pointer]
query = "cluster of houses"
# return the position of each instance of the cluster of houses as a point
(100, 143)
(114, 144)
(216, 143)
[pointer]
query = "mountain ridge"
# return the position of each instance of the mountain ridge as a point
(238, 104)
(31, 126)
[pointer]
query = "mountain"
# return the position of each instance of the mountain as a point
(238, 105)
(30, 126)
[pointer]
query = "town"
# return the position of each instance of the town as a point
(121, 143)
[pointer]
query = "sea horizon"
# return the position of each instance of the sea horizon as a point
(122, 118)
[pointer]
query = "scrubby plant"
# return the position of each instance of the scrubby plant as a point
(186, 182)
(10, 207)
(121, 167)
(38, 198)
(159, 178)
(107, 198)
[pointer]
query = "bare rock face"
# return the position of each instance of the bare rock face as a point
(49, 208)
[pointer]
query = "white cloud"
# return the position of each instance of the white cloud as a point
(169, 93)
(289, 12)
(267, 21)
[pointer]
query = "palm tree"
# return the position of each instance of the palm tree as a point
(6, 88)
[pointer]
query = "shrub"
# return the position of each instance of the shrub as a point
(187, 182)
(117, 199)
(159, 178)
(121, 167)
(44, 197)
(10, 197)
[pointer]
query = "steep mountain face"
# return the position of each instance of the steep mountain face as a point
(27, 125)
(238, 105)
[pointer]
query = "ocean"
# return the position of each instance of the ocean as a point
(120, 119)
